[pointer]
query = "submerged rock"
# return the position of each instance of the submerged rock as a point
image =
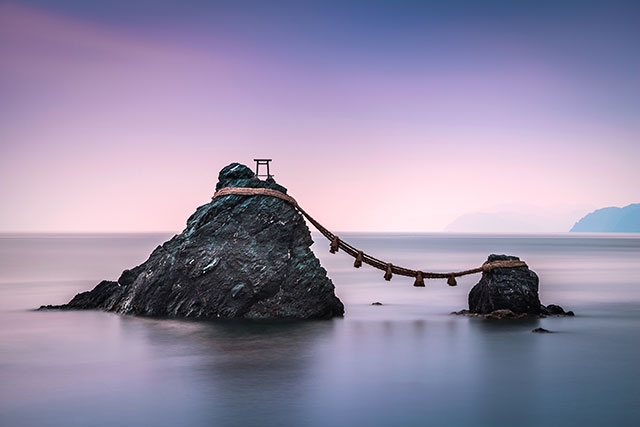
(239, 257)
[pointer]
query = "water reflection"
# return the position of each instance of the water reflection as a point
(504, 369)
(389, 373)
(157, 372)
(246, 373)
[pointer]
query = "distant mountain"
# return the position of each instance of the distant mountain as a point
(611, 220)
(497, 222)
(518, 219)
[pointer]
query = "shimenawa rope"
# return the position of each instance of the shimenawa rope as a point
(361, 257)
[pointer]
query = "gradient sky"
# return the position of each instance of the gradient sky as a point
(379, 115)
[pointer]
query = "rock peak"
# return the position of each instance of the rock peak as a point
(235, 171)
(239, 175)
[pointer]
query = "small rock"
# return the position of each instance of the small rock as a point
(509, 293)
(554, 310)
(376, 303)
(541, 331)
(512, 289)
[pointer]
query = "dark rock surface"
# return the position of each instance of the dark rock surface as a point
(541, 331)
(508, 293)
(239, 257)
(514, 289)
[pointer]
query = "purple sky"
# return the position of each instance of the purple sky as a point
(379, 115)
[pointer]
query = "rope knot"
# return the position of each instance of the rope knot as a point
(490, 266)
(336, 244)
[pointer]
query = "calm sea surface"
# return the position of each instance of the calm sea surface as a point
(406, 363)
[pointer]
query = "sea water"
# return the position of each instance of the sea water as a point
(408, 362)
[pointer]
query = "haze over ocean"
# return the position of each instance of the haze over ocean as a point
(117, 116)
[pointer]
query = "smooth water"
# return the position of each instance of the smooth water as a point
(406, 363)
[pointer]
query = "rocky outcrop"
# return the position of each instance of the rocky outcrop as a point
(508, 293)
(239, 257)
(514, 289)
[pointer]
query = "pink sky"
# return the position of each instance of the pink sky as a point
(105, 126)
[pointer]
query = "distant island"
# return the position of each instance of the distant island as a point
(611, 220)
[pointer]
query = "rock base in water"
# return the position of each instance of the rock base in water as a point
(239, 257)
(509, 314)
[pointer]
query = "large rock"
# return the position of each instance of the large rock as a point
(239, 257)
(514, 289)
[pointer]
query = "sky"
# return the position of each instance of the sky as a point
(403, 116)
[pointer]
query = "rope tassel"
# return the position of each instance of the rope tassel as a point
(451, 281)
(388, 275)
(419, 283)
(358, 261)
(335, 244)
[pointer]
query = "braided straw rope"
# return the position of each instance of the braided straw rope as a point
(361, 257)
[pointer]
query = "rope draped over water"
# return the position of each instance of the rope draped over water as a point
(361, 257)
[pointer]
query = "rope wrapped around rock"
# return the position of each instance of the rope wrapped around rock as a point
(360, 256)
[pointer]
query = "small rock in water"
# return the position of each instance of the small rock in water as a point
(376, 303)
(541, 331)
(509, 293)
(514, 289)
(555, 310)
